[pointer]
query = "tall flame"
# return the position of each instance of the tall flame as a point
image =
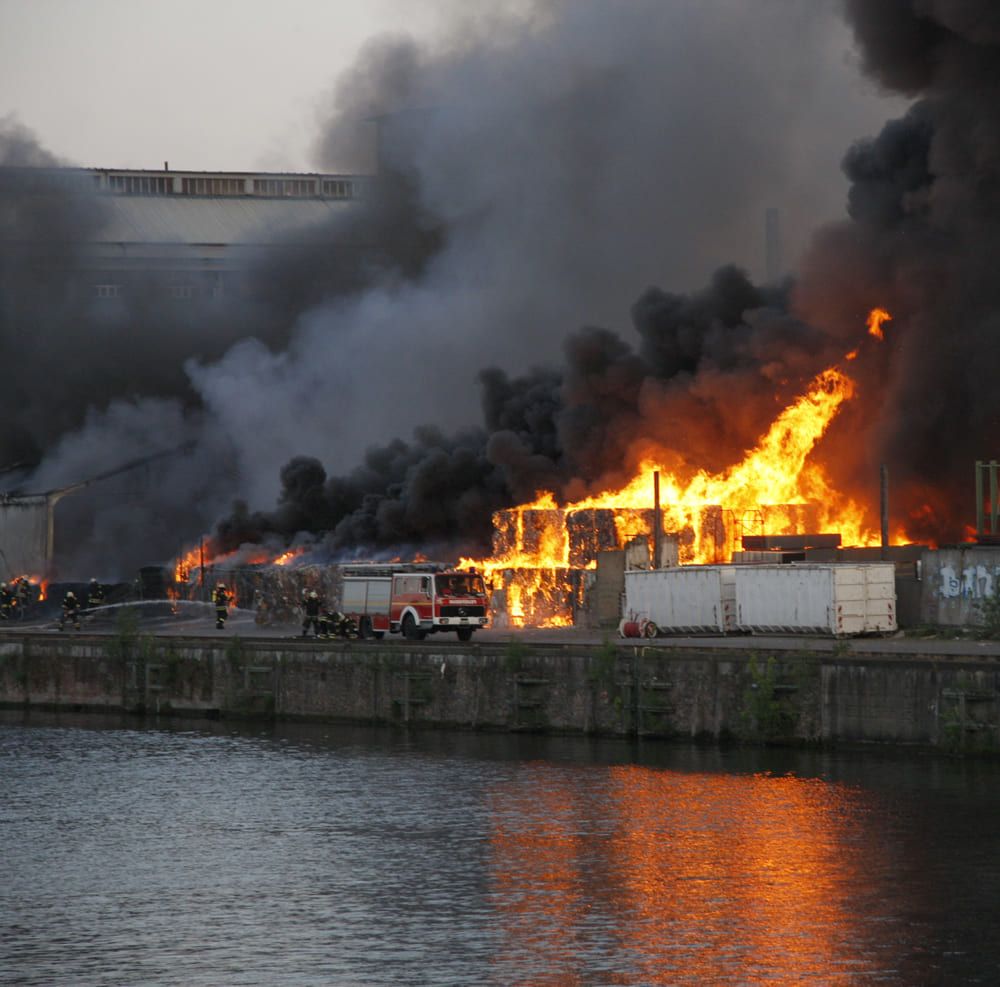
(875, 319)
(776, 471)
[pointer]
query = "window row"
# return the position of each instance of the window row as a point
(183, 292)
(294, 188)
(213, 186)
(140, 184)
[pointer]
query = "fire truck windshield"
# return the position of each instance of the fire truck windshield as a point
(460, 585)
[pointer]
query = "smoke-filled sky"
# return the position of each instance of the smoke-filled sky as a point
(568, 185)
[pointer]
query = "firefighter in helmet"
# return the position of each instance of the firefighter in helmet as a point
(70, 611)
(340, 624)
(7, 602)
(220, 597)
(24, 593)
(312, 608)
(95, 595)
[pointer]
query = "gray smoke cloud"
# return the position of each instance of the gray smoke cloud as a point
(539, 177)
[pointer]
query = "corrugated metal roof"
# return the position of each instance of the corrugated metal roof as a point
(202, 220)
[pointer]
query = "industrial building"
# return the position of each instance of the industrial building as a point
(115, 245)
(196, 232)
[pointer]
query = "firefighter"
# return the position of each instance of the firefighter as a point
(95, 595)
(24, 594)
(341, 625)
(220, 597)
(7, 602)
(70, 611)
(348, 626)
(313, 608)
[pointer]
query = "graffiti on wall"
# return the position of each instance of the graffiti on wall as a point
(974, 582)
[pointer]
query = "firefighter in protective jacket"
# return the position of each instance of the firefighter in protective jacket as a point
(95, 595)
(8, 600)
(70, 611)
(341, 625)
(312, 607)
(23, 592)
(220, 597)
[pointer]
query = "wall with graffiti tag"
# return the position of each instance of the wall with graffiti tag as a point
(956, 581)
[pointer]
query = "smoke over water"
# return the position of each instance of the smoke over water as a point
(539, 177)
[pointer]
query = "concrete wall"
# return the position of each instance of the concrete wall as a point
(941, 701)
(955, 582)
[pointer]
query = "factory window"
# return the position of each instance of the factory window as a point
(213, 186)
(107, 290)
(180, 291)
(338, 189)
(140, 184)
(290, 187)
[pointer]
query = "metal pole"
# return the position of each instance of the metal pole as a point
(994, 507)
(884, 470)
(657, 525)
(980, 522)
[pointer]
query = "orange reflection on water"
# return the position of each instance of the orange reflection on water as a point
(540, 882)
(668, 878)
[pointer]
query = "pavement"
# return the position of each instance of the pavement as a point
(191, 619)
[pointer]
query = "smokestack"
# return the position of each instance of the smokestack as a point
(772, 246)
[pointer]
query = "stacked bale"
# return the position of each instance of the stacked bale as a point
(273, 592)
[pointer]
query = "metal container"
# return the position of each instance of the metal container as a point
(684, 599)
(839, 599)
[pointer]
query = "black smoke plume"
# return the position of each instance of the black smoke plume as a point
(536, 176)
(925, 204)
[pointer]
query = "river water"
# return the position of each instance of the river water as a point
(317, 855)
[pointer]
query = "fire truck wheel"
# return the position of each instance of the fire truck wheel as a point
(365, 629)
(410, 629)
(465, 633)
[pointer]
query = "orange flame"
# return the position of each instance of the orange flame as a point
(186, 564)
(875, 319)
(776, 472)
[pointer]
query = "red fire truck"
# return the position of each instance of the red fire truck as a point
(414, 599)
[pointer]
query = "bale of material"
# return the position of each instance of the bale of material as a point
(273, 592)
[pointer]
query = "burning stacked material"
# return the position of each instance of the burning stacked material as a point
(274, 592)
(706, 515)
(545, 558)
(540, 597)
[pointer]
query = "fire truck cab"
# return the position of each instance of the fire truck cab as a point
(414, 600)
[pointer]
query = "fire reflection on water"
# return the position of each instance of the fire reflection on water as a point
(708, 878)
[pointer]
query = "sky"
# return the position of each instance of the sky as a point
(213, 85)
(241, 84)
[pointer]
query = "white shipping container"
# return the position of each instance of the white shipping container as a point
(682, 599)
(802, 598)
(880, 584)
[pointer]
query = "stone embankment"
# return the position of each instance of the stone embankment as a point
(938, 695)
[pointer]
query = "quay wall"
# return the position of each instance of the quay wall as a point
(830, 693)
